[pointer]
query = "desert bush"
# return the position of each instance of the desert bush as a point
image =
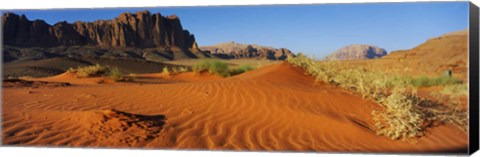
(165, 71)
(452, 94)
(436, 81)
(242, 69)
(90, 71)
(455, 90)
(115, 74)
(212, 66)
(97, 70)
(403, 113)
(182, 69)
(399, 119)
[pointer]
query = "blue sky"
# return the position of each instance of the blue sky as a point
(313, 29)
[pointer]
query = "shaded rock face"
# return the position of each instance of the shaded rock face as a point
(233, 50)
(140, 30)
(357, 52)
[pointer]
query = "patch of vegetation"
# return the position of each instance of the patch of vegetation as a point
(97, 70)
(115, 74)
(212, 66)
(436, 81)
(133, 75)
(403, 115)
(242, 69)
(452, 93)
(179, 69)
(165, 71)
(89, 71)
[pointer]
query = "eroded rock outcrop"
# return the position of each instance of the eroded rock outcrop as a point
(357, 52)
(233, 50)
(141, 30)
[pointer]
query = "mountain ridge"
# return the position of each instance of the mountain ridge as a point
(141, 30)
(357, 52)
(234, 50)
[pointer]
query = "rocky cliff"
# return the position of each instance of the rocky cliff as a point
(140, 30)
(357, 52)
(233, 50)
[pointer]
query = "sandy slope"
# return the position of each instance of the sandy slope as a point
(273, 108)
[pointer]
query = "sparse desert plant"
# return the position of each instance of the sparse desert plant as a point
(400, 119)
(182, 69)
(404, 113)
(89, 71)
(212, 66)
(115, 74)
(178, 69)
(97, 70)
(242, 69)
(165, 71)
(175, 70)
(427, 81)
(71, 70)
(452, 94)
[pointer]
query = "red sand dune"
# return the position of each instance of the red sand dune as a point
(273, 108)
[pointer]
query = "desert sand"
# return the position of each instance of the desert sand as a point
(274, 108)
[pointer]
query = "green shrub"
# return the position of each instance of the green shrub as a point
(212, 66)
(242, 69)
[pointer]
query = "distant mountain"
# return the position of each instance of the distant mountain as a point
(233, 50)
(357, 52)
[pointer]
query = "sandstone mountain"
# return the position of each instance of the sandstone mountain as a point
(233, 50)
(135, 42)
(357, 52)
(448, 51)
(139, 30)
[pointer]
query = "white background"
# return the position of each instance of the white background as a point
(48, 4)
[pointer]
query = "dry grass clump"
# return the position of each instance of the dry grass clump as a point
(165, 71)
(404, 114)
(115, 74)
(97, 70)
(452, 94)
(436, 81)
(89, 71)
(174, 70)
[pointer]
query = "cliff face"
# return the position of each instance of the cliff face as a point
(141, 30)
(357, 52)
(233, 50)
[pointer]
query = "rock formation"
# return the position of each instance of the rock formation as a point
(357, 52)
(233, 50)
(140, 30)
